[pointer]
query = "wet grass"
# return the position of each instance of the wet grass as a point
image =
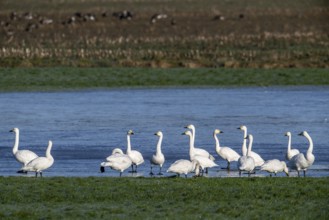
(228, 198)
(51, 79)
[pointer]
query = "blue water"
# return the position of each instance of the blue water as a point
(86, 125)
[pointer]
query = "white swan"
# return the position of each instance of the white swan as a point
(117, 161)
(226, 153)
(198, 151)
(135, 156)
(258, 159)
(182, 167)
(299, 162)
(117, 151)
(247, 163)
(158, 158)
(22, 156)
(203, 163)
(290, 152)
(275, 166)
(39, 164)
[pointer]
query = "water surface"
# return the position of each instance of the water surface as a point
(86, 125)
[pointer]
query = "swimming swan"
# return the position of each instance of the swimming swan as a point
(198, 151)
(158, 158)
(182, 167)
(226, 153)
(22, 156)
(247, 163)
(135, 156)
(299, 162)
(275, 166)
(290, 152)
(39, 164)
(258, 159)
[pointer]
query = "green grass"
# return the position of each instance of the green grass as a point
(50, 79)
(95, 198)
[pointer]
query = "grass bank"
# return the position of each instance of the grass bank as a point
(50, 79)
(173, 198)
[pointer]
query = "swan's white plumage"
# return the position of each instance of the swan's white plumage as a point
(257, 158)
(275, 166)
(198, 151)
(182, 167)
(135, 156)
(203, 163)
(226, 153)
(22, 156)
(158, 158)
(300, 162)
(247, 163)
(39, 164)
(290, 152)
(117, 161)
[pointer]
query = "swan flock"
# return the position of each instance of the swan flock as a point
(198, 162)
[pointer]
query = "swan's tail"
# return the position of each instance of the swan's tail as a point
(211, 157)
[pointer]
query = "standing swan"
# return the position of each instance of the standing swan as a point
(226, 153)
(258, 159)
(117, 161)
(290, 152)
(299, 162)
(275, 166)
(247, 163)
(22, 156)
(182, 167)
(41, 163)
(198, 151)
(158, 158)
(135, 156)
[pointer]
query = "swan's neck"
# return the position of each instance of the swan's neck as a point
(289, 143)
(48, 154)
(310, 147)
(191, 145)
(128, 144)
(159, 145)
(249, 146)
(217, 143)
(193, 135)
(15, 148)
(244, 144)
(309, 153)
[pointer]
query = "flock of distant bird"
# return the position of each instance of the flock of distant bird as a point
(35, 21)
(200, 159)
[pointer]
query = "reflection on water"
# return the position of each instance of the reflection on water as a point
(86, 125)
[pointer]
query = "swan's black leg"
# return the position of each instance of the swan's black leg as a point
(298, 173)
(239, 173)
(228, 165)
(120, 174)
(304, 173)
(36, 174)
(151, 172)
